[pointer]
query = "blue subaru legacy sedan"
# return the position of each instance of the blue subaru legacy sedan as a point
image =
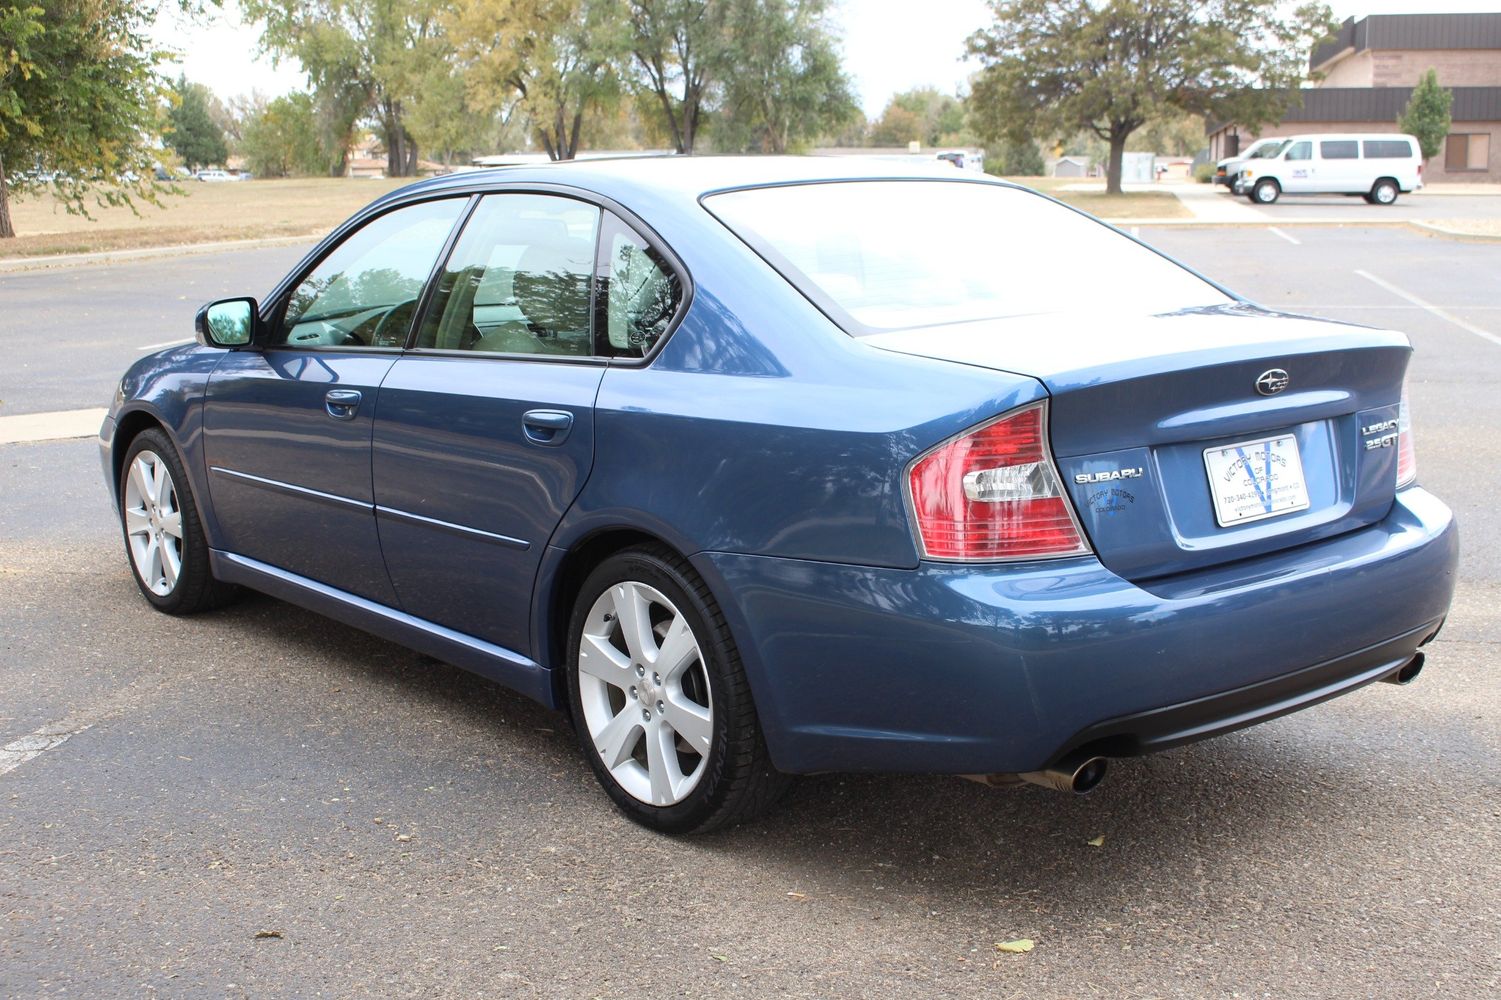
(751, 469)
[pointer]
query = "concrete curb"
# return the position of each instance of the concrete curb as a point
(142, 253)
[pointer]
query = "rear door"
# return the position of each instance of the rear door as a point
(485, 432)
(287, 428)
(1340, 167)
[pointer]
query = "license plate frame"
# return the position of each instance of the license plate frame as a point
(1254, 480)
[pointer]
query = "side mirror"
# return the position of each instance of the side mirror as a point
(227, 323)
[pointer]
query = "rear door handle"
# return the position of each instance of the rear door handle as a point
(548, 427)
(342, 404)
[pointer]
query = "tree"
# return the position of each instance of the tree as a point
(682, 50)
(1020, 159)
(1427, 114)
(78, 103)
(897, 126)
(1054, 66)
(280, 138)
(192, 132)
(925, 115)
(787, 86)
(559, 60)
(363, 57)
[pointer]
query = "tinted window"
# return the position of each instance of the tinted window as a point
(1339, 149)
(641, 292)
(363, 294)
(1300, 151)
(1387, 149)
(518, 280)
(883, 255)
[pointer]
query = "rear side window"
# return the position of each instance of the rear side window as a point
(888, 255)
(1340, 149)
(640, 292)
(1388, 149)
(518, 280)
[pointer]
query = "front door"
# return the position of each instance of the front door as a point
(1299, 168)
(485, 433)
(287, 427)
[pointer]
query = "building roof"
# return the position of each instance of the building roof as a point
(1409, 31)
(1381, 104)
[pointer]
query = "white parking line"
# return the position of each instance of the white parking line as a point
(18, 752)
(59, 425)
(55, 734)
(165, 343)
(1291, 239)
(1438, 311)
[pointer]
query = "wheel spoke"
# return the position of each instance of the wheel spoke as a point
(598, 658)
(159, 481)
(662, 764)
(172, 524)
(151, 561)
(691, 721)
(618, 738)
(140, 478)
(171, 563)
(136, 521)
(679, 650)
(634, 612)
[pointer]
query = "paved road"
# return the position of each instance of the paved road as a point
(409, 830)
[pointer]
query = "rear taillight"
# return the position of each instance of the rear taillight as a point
(992, 493)
(1407, 456)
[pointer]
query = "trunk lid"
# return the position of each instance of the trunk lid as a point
(1146, 410)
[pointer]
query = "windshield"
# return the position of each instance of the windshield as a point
(1263, 150)
(890, 255)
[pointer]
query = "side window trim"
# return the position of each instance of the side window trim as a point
(274, 314)
(429, 289)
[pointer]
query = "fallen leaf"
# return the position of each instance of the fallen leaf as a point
(268, 934)
(797, 895)
(402, 838)
(1016, 947)
(1097, 842)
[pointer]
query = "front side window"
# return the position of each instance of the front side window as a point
(641, 292)
(1300, 151)
(889, 255)
(518, 280)
(364, 293)
(1339, 149)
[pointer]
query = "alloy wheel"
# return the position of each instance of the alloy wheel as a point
(153, 523)
(644, 692)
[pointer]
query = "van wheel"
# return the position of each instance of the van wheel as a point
(1384, 192)
(1265, 192)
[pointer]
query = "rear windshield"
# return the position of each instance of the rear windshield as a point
(891, 255)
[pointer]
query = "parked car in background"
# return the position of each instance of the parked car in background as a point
(215, 176)
(1227, 171)
(1377, 166)
(737, 464)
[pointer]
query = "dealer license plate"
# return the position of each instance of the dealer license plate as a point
(1251, 480)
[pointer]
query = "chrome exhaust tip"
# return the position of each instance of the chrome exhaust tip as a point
(1407, 672)
(1074, 775)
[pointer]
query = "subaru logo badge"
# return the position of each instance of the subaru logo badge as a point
(1271, 382)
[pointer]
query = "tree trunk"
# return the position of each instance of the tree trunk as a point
(1117, 154)
(7, 231)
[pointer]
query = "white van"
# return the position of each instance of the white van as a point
(1227, 171)
(1377, 165)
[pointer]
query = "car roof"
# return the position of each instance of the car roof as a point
(691, 177)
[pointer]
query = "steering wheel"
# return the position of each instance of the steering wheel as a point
(399, 314)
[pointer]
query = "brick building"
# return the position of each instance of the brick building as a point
(1368, 72)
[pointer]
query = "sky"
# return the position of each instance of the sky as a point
(889, 45)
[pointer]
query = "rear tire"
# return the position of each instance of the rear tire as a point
(1384, 192)
(660, 701)
(1266, 192)
(164, 538)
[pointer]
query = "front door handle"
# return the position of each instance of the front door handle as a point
(342, 404)
(548, 427)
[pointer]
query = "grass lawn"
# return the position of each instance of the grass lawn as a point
(207, 213)
(204, 213)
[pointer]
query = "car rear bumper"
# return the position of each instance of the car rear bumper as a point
(951, 668)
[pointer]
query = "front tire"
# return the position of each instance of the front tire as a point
(660, 700)
(1266, 192)
(164, 538)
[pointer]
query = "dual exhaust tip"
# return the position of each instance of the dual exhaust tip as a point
(1080, 773)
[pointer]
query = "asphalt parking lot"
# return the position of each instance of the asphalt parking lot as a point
(260, 802)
